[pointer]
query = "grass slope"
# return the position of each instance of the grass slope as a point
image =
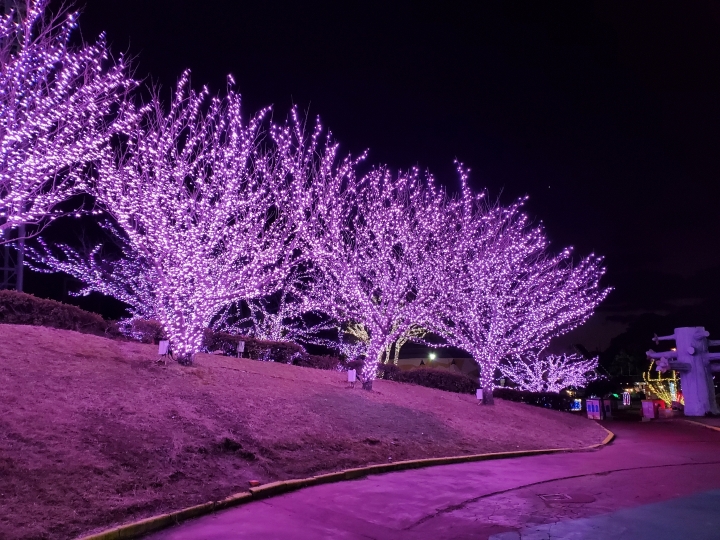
(94, 433)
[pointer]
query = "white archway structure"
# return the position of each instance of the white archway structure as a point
(696, 366)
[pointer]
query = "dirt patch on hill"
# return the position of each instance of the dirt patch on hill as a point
(94, 433)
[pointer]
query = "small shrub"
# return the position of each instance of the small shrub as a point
(549, 400)
(437, 378)
(22, 308)
(389, 372)
(142, 330)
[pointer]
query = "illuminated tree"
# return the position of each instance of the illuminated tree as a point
(59, 107)
(551, 373)
(663, 384)
(206, 215)
(203, 206)
(507, 296)
(380, 243)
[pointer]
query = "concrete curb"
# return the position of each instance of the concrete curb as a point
(162, 521)
(701, 424)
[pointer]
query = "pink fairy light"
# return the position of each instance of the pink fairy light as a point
(286, 315)
(203, 209)
(209, 214)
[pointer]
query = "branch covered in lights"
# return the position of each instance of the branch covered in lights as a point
(59, 107)
(126, 275)
(413, 333)
(551, 373)
(285, 315)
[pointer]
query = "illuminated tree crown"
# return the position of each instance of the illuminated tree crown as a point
(202, 205)
(59, 107)
(380, 242)
(507, 294)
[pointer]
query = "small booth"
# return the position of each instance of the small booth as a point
(651, 409)
(598, 408)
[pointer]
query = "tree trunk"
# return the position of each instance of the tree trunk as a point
(386, 355)
(185, 359)
(373, 358)
(398, 345)
(488, 395)
(486, 381)
(185, 340)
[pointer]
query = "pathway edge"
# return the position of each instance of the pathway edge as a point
(139, 528)
(701, 424)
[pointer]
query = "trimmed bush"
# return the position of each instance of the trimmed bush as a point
(433, 378)
(22, 308)
(549, 400)
(256, 349)
(388, 372)
(317, 361)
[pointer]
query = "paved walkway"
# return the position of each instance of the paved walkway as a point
(656, 481)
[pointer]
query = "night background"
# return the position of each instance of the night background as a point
(607, 114)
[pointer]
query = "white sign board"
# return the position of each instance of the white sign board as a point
(163, 346)
(478, 393)
(351, 375)
(241, 347)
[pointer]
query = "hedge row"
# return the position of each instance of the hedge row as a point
(275, 351)
(549, 400)
(432, 378)
(142, 330)
(21, 308)
(462, 384)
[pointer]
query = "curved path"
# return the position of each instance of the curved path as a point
(655, 481)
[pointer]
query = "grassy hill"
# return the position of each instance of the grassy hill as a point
(93, 432)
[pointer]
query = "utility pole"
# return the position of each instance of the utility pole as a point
(13, 259)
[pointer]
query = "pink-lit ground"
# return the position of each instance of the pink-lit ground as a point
(93, 433)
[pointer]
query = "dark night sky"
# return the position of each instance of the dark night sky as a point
(606, 113)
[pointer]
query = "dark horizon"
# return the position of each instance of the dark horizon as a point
(606, 114)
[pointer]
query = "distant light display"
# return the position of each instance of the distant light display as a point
(551, 373)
